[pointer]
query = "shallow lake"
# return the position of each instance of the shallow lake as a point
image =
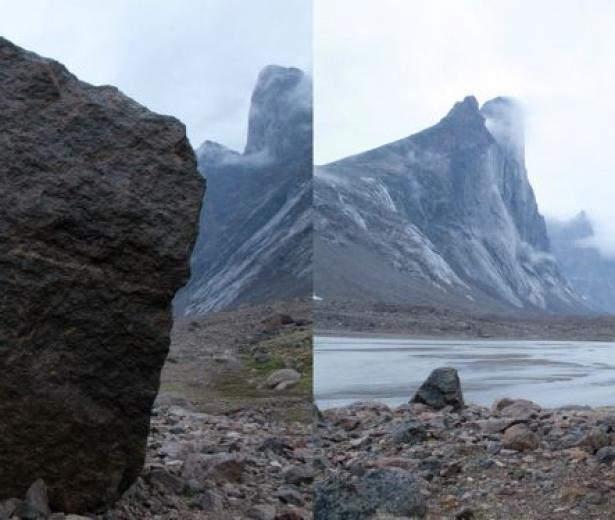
(552, 373)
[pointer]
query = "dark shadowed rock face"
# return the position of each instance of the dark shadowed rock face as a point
(99, 200)
(442, 388)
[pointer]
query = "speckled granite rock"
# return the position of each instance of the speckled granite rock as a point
(99, 202)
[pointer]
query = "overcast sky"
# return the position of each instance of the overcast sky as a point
(386, 69)
(194, 59)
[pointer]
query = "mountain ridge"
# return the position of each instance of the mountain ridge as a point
(255, 240)
(590, 273)
(446, 215)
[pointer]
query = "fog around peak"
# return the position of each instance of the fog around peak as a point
(412, 60)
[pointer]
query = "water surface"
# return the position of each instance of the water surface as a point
(552, 373)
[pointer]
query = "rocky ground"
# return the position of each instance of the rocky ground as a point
(231, 433)
(427, 321)
(242, 465)
(511, 461)
(220, 364)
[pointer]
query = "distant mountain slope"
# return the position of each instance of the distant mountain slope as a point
(255, 242)
(446, 216)
(591, 274)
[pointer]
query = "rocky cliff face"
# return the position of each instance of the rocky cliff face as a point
(446, 216)
(591, 274)
(255, 240)
(99, 203)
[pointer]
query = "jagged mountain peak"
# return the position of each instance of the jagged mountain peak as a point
(211, 152)
(465, 111)
(254, 243)
(447, 214)
(277, 73)
(463, 127)
(280, 117)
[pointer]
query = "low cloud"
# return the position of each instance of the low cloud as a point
(412, 60)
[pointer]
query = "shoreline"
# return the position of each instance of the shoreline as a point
(332, 333)
(513, 459)
(572, 407)
(429, 322)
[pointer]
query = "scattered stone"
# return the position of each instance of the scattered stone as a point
(11, 507)
(501, 403)
(606, 455)
(283, 378)
(275, 321)
(519, 408)
(297, 475)
(495, 425)
(276, 445)
(466, 514)
(222, 466)
(409, 432)
(166, 482)
(473, 463)
(290, 496)
(520, 438)
(594, 440)
(378, 492)
(37, 501)
(262, 512)
(219, 467)
(293, 513)
(442, 388)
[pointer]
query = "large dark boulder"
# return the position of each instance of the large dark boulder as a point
(99, 203)
(442, 388)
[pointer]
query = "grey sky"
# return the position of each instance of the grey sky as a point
(386, 69)
(194, 59)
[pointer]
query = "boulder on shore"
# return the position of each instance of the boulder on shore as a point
(98, 214)
(520, 438)
(442, 388)
(283, 378)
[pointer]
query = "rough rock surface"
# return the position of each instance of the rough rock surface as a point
(386, 491)
(462, 467)
(283, 378)
(520, 438)
(222, 467)
(442, 388)
(99, 204)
